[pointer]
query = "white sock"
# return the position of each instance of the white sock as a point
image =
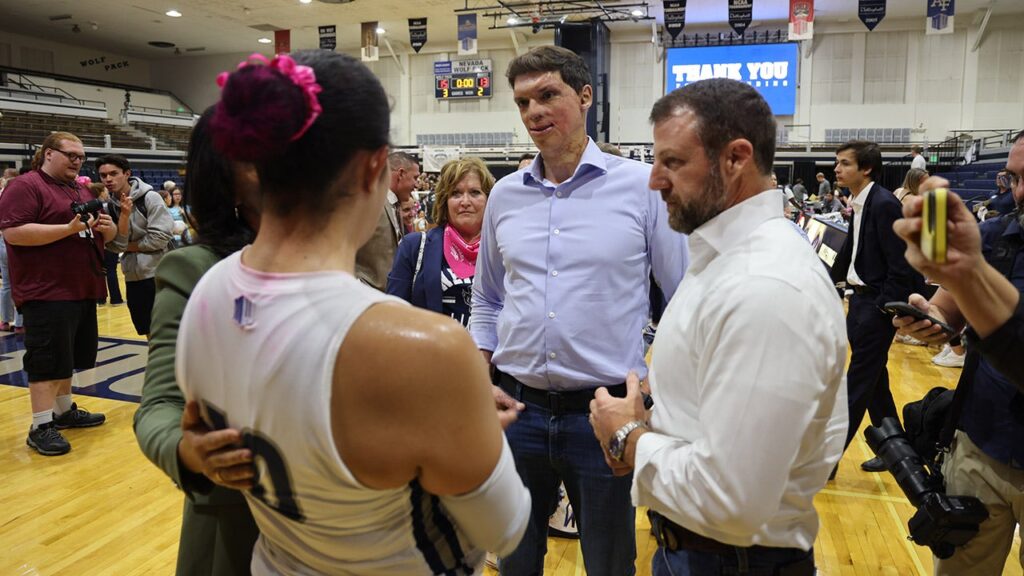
(40, 418)
(62, 405)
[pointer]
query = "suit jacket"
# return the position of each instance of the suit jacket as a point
(880, 252)
(374, 259)
(424, 291)
(218, 531)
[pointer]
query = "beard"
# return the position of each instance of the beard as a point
(688, 215)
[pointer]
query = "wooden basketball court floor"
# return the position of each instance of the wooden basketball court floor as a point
(104, 509)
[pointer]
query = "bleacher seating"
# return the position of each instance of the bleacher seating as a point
(18, 127)
(465, 139)
(974, 182)
(879, 135)
(168, 137)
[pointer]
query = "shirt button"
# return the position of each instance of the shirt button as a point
(554, 272)
(558, 194)
(551, 314)
(557, 231)
(552, 355)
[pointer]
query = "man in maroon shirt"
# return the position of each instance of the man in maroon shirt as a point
(56, 264)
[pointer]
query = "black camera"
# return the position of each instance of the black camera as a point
(941, 522)
(94, 207)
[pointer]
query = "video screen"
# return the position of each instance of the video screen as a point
(770, 68)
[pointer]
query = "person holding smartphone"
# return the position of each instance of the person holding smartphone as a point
(981, 280)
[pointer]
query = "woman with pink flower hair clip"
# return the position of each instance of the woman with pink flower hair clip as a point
(351, 462)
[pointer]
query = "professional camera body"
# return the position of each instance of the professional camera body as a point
(94, 207)
(941, 522)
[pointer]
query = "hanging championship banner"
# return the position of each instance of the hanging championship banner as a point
(328, 37)
(282, 41)
(940, 17)
(370, 52)
(740, 13)
(435, 157)
(871, 12)
(417, 33)
(675, 17)
(467, 34)
(801, 19)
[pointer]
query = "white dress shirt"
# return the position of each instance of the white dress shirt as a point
(746, 425)
(919, 162)
(858, 202)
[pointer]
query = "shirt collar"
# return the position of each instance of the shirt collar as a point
(592, 156)
(861, 199)
(732, 227)
(392, 197)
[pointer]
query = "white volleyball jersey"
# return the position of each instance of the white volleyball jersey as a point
(258, 350)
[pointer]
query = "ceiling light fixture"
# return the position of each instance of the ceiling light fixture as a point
(512, 20)
(637, 12)
(381, 30)
(305, 1)
(265, 41)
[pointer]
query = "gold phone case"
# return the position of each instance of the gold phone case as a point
(933, 230)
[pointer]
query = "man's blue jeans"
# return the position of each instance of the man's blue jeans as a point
(549, 447)
(755, 561)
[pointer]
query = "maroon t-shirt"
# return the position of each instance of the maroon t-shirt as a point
(67, 269)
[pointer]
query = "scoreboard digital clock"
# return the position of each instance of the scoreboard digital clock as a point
(462, 79)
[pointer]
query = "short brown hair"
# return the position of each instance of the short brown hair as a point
(867, 154)
(451, 174)
(52, 142)
(573, 69)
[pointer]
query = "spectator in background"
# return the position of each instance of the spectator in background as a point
(178, 215)
(10, 317)
(409, 214)
(143, 235)
(435, 270)
(165, 196)
(831, 204)
(110, 259)
(824, 187)
(55, 258)
(374, 259)
(916, 159)
(168, 185)
(1002, 202)
(911, 182)
(800, 191)
(872, 265)
(525, 160)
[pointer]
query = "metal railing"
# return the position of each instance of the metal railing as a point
(159, 111)
(26, 89)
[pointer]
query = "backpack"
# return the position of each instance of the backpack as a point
(924, 420)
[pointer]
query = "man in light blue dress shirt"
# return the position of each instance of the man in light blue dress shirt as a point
(560, 300)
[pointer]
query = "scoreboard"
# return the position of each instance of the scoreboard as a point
(462, 79)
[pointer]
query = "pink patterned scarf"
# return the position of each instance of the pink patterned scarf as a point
(460, 255)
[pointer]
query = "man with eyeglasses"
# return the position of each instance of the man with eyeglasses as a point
(56, 263)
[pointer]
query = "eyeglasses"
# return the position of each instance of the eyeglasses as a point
(72, 157)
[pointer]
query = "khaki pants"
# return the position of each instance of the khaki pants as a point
(969, 472)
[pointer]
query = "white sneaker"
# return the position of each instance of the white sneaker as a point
(909, 340)
(951, 360)
(946, 350)
(491, 560)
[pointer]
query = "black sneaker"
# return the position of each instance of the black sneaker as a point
(77, 418)
(47, 440)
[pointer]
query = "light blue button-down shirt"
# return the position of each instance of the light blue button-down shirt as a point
(562, 277)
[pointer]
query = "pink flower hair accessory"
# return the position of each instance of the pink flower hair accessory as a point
(301, 76)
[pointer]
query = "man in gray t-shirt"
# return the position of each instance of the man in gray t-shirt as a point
(824, 187)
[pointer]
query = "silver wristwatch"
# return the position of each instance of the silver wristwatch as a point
(617, 444)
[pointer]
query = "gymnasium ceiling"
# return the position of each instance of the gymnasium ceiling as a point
(226, 26)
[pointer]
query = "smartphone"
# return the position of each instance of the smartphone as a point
(933, 230)
(904, 309)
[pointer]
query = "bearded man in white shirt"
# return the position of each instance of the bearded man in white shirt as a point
(744, 430)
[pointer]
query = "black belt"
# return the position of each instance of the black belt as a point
(864, 290)
(674, 537)
(567, 402)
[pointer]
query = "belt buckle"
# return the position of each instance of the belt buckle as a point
(554, 402)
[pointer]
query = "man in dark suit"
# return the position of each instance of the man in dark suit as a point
(872, 264)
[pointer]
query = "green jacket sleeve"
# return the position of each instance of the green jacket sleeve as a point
(158, 419)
